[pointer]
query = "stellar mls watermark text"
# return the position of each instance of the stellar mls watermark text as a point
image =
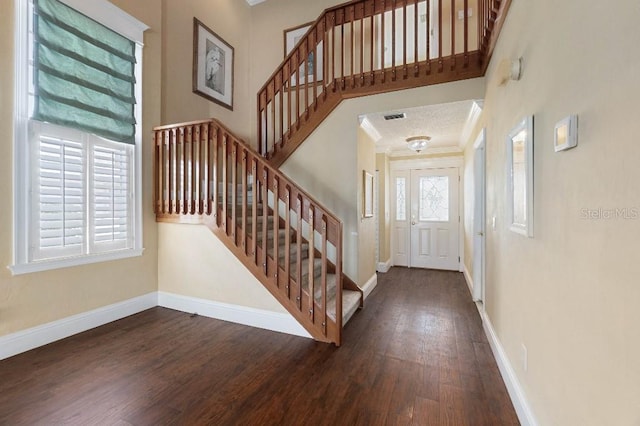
(624, 213)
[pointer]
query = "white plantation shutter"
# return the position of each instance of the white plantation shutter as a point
(111, 196)
(60, 199)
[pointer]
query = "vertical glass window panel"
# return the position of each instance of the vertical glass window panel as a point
(401, 198)
(434, 198)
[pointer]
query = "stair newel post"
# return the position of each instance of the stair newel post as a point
(276, 228)
(265, 216)
(245, 200)
(254, 207)
(224, 182)
(215, 149)
(323, 279)
(287, 239)
(234, 191)
(311, 238)
(205, 169)
(299, 249)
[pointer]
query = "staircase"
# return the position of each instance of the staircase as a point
(203, 174)
(368, 47)
(291, 244)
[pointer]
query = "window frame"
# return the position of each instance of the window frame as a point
(116, 19)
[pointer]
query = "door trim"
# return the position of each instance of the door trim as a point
(479, 194)
(436, 163)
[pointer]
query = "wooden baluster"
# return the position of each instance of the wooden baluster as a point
(174, 172)
(325, 56)
(352, 52)
(416, 57)
(245, 194)
(323, 279)
(428, 35)
(311, 238)
(157, 171)
(224, 182)
(265, 224)
(305, 74)
(453, 34)
(393, 41)
(205, 170)
(333, 51)
(199, 130)
(281, 106)
(189, 166)
(289, 88)
(261, 141)
(298, 84)
(299, 250)
(371, 42)
(166, 164)
(338, 315)
(276, 228)
(314, 71)
(181, 172)
(362, 44)
(215, 135)
(234, 191)
(254, 208)
(440, 64)
(466, 33)
(404, 39)
(273, 116)
(287, 240)
(382, 43)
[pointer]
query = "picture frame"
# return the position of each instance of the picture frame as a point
(291, 38)
(367, 185)
(520, 177)
(213, 60)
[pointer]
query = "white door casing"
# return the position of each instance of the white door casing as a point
(479, 217)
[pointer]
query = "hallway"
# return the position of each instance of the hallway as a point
(415, 355)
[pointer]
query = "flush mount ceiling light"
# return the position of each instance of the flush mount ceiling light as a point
(418, 143)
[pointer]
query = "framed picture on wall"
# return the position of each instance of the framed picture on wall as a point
(520, 177)
(307, 72)
(367, 208)
(212, 66)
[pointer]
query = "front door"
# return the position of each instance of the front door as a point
(434, 219)
(425, 218)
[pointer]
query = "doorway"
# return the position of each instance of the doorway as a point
(426, 217)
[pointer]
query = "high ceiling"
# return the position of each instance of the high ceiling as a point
(444, 123)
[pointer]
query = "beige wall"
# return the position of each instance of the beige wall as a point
(229, 20)
(366, 160)
(570, 293)
(37, 298)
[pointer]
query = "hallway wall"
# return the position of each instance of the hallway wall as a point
(570, 293)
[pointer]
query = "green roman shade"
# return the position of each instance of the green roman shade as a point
(84, 73)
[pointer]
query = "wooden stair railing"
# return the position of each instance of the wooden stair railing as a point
(366, 47)
(204, 174)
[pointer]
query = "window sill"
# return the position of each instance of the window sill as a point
(46, 265)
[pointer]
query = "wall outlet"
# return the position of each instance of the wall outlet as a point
(525, 358)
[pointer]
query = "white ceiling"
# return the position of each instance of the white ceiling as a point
(444, 123)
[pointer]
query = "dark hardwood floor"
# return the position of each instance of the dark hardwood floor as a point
(416, 354)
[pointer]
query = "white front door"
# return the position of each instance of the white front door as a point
(434, 219)
(425, 218)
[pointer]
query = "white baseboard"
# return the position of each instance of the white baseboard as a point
(368, 287)
(268, 320)
(384, 266)
(518, 398)
(31, 338)
(467, 277)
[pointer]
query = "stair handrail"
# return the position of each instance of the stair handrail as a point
(354, 64)
(204, 173)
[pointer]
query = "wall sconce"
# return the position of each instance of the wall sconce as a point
(509, 69)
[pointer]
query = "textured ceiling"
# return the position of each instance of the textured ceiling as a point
(445, 124)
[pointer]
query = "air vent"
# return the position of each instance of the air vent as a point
(395, 116)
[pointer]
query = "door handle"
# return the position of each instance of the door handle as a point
(481, 233)
(413, 223)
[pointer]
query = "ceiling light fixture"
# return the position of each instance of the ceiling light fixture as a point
(418, 143)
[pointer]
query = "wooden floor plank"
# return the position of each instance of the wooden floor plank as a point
(416, 354)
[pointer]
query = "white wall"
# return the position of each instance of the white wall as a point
(570, 293)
